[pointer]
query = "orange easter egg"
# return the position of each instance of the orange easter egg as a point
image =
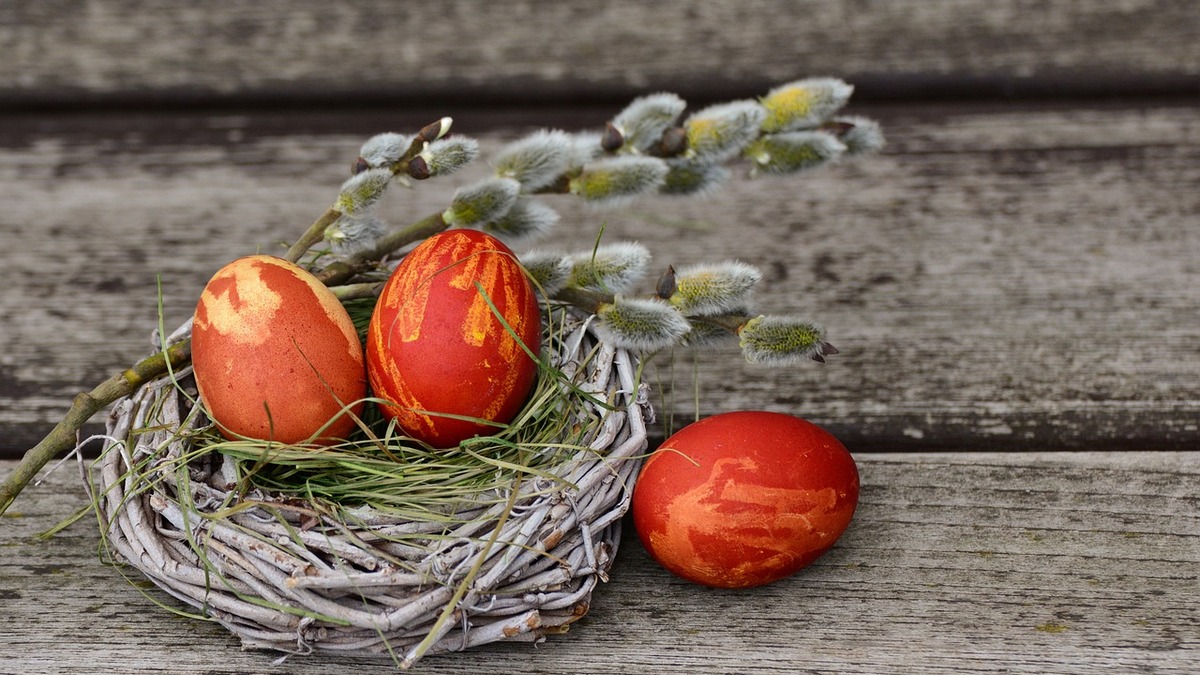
(275, 354)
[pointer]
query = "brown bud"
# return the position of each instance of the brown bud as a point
(666, 283)
(612, 140)
(560, 186)
(838, 129)
(674, 142)
(430, 132)
(418, 168)
(360, 165)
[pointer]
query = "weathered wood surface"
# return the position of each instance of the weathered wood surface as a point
(68, 52)
(1002, 277)
(955, 562)
(1014, 276)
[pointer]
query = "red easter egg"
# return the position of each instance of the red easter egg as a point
(742, 499)
(435, 347)
(275, 354)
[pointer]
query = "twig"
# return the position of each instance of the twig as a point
(342, 271)
(86, 404)
(315, 233)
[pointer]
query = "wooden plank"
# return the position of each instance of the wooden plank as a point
(957, 562)
(1001, 277)
(139, 53)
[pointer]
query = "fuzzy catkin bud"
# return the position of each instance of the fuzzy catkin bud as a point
(447, 155)
(710, 289)
(804, 104)
(641, 324)
(613, 181)
(527, 220)
(536, 160)
(614, 268)
(353, 234)
(361, 191)
(586, 147)
(719, 132)
(384, 150)
(863, 137)
(549, 270)
(481, 202)
(689, 177)
(644, 120)
(781, 340)
(794, 151)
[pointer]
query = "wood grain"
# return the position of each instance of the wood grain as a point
(138, 53)
(955, 562)
(1000, 278)
(1009, 275)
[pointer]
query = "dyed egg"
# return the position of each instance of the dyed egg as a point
(435, 347)
(742, 499)
(275, 354)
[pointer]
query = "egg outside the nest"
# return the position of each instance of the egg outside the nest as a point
(437, 350)
(744, 499)
(275, 354)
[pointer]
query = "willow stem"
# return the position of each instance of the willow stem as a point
(730, 322)
(62, 437)
(389, 243)
(588, 300)
(367, 289)
(341, 271)
(314, 234)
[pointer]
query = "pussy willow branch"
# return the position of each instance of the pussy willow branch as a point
(63, 437)
(316, 231)
(341, 271)
(592, 301)
(314, 234)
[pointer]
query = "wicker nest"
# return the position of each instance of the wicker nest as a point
(285, 576)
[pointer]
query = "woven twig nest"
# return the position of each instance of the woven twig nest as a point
(285, 575)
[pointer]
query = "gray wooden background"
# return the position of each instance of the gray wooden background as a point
(1017, 275)
(1014, 269)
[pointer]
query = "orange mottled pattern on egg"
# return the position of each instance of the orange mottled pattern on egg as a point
(743, 499)
(275, 353)
(435, 346)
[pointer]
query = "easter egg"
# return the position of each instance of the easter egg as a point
(437, 350)
(276, 356)
(745, 498)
